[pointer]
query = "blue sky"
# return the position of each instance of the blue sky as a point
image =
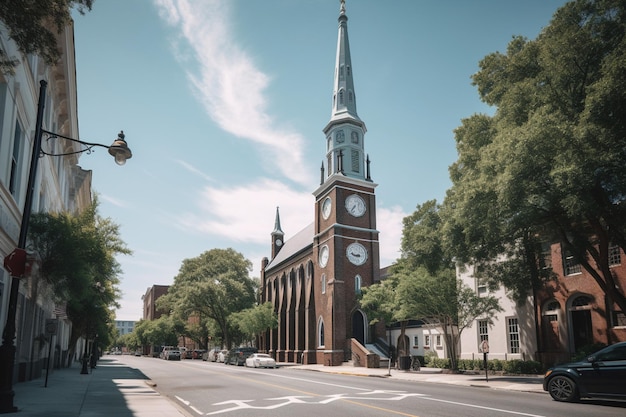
(223, 104)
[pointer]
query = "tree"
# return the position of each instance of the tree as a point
(255, 320)
(439, 299)
(548, 166)
(423, 285)
(211, 287)
(77, 254)
(156, 333)
(34, 27)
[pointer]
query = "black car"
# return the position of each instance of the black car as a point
(238, 356)
(602, 374)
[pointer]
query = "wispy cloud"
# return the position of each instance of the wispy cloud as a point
(115, 201)
(193, 170)
(246, 213)
(228, 84)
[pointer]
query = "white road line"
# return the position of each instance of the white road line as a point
(517, 413)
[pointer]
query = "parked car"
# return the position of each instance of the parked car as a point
(198, 354)
(188, 354)
(238, 356)
(221, 356)
(260, 360)
(171, 354)
(211, 355)
(601, 374)
(163, 353)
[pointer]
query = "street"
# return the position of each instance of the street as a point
(205, 388)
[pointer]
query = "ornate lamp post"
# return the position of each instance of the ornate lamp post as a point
(15, 262)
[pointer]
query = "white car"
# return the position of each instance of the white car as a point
(260, 360)
(221, 356)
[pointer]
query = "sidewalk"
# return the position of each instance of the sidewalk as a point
(526, 383)
(112, 389)
(115, 389)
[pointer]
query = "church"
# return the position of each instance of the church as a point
(313, 279)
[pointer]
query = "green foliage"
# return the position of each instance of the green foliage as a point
(159, 332)
(255, 320)
(77, 254)
(513, 367)
(518, 366)
(435, 362)
(34, 26)
(548, 165)
(211, 287)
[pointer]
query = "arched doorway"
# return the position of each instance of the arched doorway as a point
(581, 329)
(359, 326)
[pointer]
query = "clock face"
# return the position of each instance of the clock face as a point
(356, 253)
(324, 253)
(355, 205)
(279, 242)
(326, 207)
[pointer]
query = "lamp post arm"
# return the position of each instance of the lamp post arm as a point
(89, 145)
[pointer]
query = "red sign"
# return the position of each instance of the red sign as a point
(15, 262)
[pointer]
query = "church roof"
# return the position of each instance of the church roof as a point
(300, 242)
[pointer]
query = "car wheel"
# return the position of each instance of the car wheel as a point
(562, 388)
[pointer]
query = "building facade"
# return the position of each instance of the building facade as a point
(568, 314)
(60, 185)
(313, 279)
(124, 326)
(152, 294)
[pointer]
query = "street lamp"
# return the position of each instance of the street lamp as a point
(15, 262)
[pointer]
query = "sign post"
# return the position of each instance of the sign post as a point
(484, 347)
(51, 330)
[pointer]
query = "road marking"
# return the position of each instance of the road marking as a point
(500, 410)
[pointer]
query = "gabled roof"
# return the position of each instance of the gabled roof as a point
(302, 241)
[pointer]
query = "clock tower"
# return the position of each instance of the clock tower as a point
(345, 244)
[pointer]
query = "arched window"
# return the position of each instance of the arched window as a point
(341, 97)
(357, 284)
(551, 327)
(320, 333)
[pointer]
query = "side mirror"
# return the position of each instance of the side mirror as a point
(591, 359)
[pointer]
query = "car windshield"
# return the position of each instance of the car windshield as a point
(262, 355)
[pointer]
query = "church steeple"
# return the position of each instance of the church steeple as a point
(345, 130)
(344, 97)
(277, 235)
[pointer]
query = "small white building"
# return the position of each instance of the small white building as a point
(124, 326)
(422, 339)
(512, 334)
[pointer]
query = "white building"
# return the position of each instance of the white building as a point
(512, 334)
(60, 184)
(124, 326)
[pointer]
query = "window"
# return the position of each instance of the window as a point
(614, 255)
(426, 341)
(355, 161)
(570, 265)
(438, 340)
(481, 288)
(320, 333)
(357, 284)
(14, 179)
(483, 330)
(546, 256)
(416, 340)
(513, 334)
(323, 283)
(341, 97)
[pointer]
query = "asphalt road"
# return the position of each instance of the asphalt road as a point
(205, 389)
